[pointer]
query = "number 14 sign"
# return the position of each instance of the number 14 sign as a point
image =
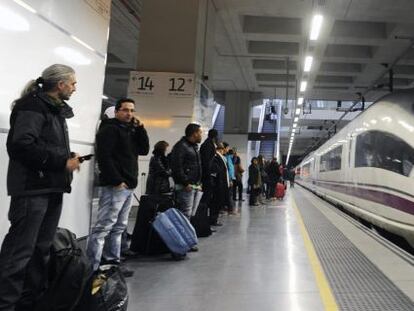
(163, 84)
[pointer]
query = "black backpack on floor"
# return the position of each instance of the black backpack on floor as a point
(69, 273)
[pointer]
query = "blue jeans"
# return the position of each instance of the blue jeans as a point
(105, 239)
(188, 201)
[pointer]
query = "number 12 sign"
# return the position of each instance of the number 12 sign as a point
(164, 84)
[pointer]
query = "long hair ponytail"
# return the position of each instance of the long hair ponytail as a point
(50, 77)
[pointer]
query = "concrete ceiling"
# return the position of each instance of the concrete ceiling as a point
(256, 39)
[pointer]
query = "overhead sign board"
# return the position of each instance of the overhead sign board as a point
(161, 84)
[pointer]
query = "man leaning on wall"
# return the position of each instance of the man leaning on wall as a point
(40, 171)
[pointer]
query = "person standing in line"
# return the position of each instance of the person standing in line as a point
(207, 152)
(220, 182)
(159, 170)
(232, 177)
(255, 182)
(186, 170)
(238, 171)
(40, 171)
(292, 175)
(119, 142)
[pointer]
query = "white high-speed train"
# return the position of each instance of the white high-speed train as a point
(368, 167)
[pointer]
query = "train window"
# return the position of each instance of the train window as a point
(384, 150)
(331, 160)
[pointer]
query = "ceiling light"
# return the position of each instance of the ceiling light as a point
(293, 131)
(308, 63)
(297, 111)
(12, 21)
(300, 101)
(303, 86)
(104, 97)
(316, 27)
(82, 43)
(296, 119)
(295, 125)
(26, 6)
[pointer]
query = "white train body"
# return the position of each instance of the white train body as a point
(368, 167)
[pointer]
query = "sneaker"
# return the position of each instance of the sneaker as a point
(194, 249)
(217, 224)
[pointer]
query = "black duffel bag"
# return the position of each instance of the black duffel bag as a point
(68, 274)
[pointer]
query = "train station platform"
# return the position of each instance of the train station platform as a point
(297, 254)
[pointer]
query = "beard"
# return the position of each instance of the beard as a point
(64, 96)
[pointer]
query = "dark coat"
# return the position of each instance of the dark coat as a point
(159, 172)
(218, 181)
(253, 175)
(207, 152)
(186, 163)
(118, 146)
(273, 172)
(38, 147)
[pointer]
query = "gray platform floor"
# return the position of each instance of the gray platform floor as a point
(256, 261)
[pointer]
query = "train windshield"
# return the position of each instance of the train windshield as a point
(384, 150)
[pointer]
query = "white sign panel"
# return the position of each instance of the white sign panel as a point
(161, 84)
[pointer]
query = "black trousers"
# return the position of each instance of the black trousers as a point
(254, 193)
(237, 187)
(25, 252)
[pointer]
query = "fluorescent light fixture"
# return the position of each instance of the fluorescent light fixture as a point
(303, 86)
(12, 21)
(308, 63)
(294, 125)
(82, 43)
(104, 97)
(297, 111)
(316, 27)
(26, 6)
(300, 101)
(293, 131)
(296, 119)
(72, 56)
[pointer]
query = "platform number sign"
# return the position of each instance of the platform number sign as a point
(145, 83)
(162, 84)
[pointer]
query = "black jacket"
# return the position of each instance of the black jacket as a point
(38, 147)
(273, 172)
(159, 172)
(254, 172)
(185, 163)
(118, 145)
(207, 152)
(218, 180)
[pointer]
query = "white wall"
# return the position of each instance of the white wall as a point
(31, 41)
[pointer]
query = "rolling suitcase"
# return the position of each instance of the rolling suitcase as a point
(176, 231)
(145, 240)
(280, 190)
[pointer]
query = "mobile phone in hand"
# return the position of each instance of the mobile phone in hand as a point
(85, 158)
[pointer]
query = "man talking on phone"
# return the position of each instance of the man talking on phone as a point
(119, 142)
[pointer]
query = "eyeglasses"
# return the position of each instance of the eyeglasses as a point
(127, 110)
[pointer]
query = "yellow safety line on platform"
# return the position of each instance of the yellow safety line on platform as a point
(327, 297)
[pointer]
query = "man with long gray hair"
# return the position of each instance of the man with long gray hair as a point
(40, 171)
